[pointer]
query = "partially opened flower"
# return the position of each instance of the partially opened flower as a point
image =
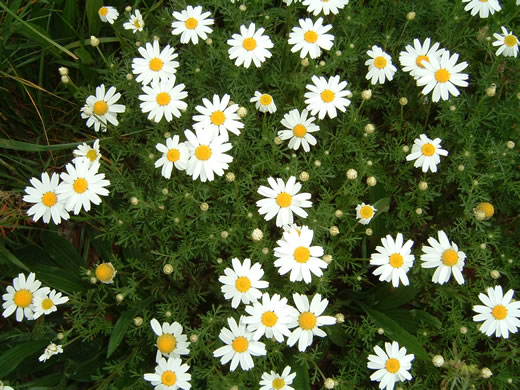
(299, 128)
(101, 109)
(482, 7)
(47, 202)
(263, 102)
(365, 213)
(426, 153)
(250, 45)
(392, 365)
(393, 259)
(20, 296)
(500, 313)
(108, 14)
(86, 151)
(325, 96)
(135, 23)
(380, 66)
(173, 153)
(412, 57)
(192, 24)
(155, 64)
(163, 98)
(218, 116)
(310, 38)
(508, 43)
(51, 350)
(170, 374)
(46, 303)
(170, 340)
(325, 6)
(275, 381)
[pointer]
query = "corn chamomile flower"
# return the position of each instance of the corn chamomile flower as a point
(81, 185)
(444, 256)
(365, 213)
(300, 126)
(105, 273)
(20, 296)
(275, 381)
(380, 66)
(108, 14)
(46, 303)
(170, 374)
(508, 43)
(191, 24)
(218, 116)
(242, 283)
(51, 350)
(101, 108)
(442, 76)
(155, 64)
(325, 6)
(282, 200)
(170, 340)
(307, 320)
(482, 7)
(86, 151)
(310, 38)
(47, 202)
(173, 153)
(325, 96)
(500, 314)
(392, 365)
(163, 98)
(240, 346)
(394, 260)
(135, 23)
(426, 153)
(250, 46)
(263, 102)
(411, 58)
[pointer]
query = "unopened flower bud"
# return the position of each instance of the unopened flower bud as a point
(338, 213)
(168, 313)
(128, 8)
(491, 90)
(327, 259)
(486, 373)
(438, 361)
(410, 15)
(94, 41)
(194, 338)
(371, 181)
(167, 269)
(329, 383)
(138, 321)
(209, 41)
(369, 232)
(65, 79)
(277, 140)
(204, 206)
(352, 174)
(63, 71)
(381, 331)
(242, 112)
(265, 251)
(366, 94)
(369, 128)
(463, 330)
(224, 234)
(510, 145)
(305, 62)
(304, 176)
(60, 336)
(134, 201)
(242, 7)
(257, 235)
(423, 186)
(334, 230)
(495, 274)
(340, 318)
(230, 177)
(120, 297)
(317, 163)
(403, 101)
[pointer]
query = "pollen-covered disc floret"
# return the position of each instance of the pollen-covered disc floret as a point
(135, 23)
(219, 116)
(501, 314)
(101, 109)
(20, 297)
(155, 64)
(411, 57)
(171, 342)
(46, 303)
(84, 150)
(105, 273)
(393, 259)
(47, 202)
(365, 213)
(108, 14)
(482, 7)
(250, 45)
(170, 374)
(263, 102)
(426, 153)
(325, 97)
(508, 43)
(299, 128)
(380, 67)
(311, 37)
(192, 24)
(275, 381)
(325, 6)
(163, 98)
(392, 365)
(173, 153)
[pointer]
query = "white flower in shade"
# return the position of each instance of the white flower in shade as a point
(108, 14)
(239, 347)
(310, 38)
(135, 23)
(47, 202)
(394, 260)
(86, 151)
(442, 76)
(500, 314)
(508, 43)
(191, 24)
(275, 381)
(300, 126)
(365, 213)
(380, 66)
(163, 98)
(482, 7)
(170, 340)
(392, 365)
(173, 153)
(289, 2)
(296, 254)
(325, 6)
(250, 46)
(242, 283)
(325, 96)
(218, 116)
(444, 256)
(308, 320)
(207, 154)
(5, 387)
(411, 58)
(46, 303)
(155, 64)
(282, 200)
(270, 317)
(263, 102)
(51, 350)
(170, 374)
(426, 153)
(81, 185)
(20, 297)
(99, 110)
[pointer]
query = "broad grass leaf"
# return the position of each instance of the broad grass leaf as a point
(13, 356)
(389, 298)
(62, 251)
(6, 256)
(28, 147)
(119, 331)
(59, 279)
(94, 23)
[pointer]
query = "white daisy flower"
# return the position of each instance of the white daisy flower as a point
(50, 350)
(192, 24)
(392, 366)
(325, 96)
(108, 14)
(170, 374)
(5, 387)
(47, 202)
(427, 153)
(86, 151)
(250, 46)
(239, 347)
(170, 340)
(155, 64)
(101, 108)
(289, 2)
(508, 43)
(81, 185)
(325, 6)
(46, 303)
(365, 213)
(482, 7)
(444, 256)
(300, 126)
(20, 297)
(242, 283)
(282, 200)
(270, 317)
(163, 98)
(207, 154)
(310, 38)
(218, 116)
(442, 76)
(264, 102)
(173, 153)
(308, 320)
(500, 314)
(275, 381)
(380, 66)
(411, 58)
(394, 260)
(135, 23)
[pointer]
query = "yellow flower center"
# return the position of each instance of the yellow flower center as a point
(203, 152)
(301, 254)
(47, 304)
(510, 41)
(217, 118)
(269, 318)
(278, 383)
(249, 44)
(105, 272)
(483, 1)
(266, 99)
(49, 199)
(156, 64)
(310, 36)
(100, 108)
(163, 98)
(91, 155)
(428, 149)
(243, 284)
(240, 344)
(366, 212)
(173, 155)
(442, 75)
(137, 23)
(392, 365)
(487, 208)
(379, 62)
(299, 131)
(327, 96)
(284, 199)
(166, 343)
(168, 378)
(396, 260)
(80, 185)
(103, 11)
(421, 58)
(499, 312)
(307, 320)
(191, 23)
(450, 257)
(23, 298)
